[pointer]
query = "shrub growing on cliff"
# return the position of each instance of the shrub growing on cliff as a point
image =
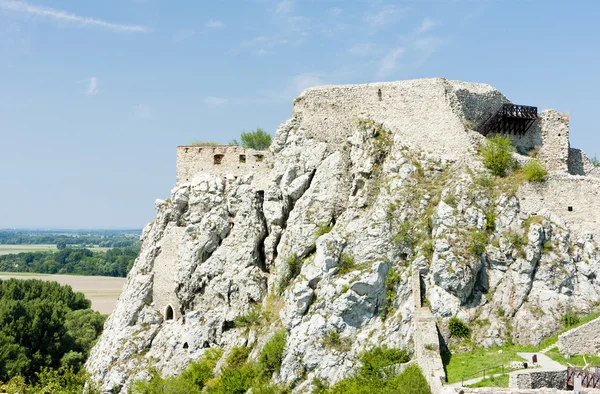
(375, 377)
(271, 357)
(458, 328)
(477, 242)
(570, 319)
(258, 139)
(497, 155)
(534, 170)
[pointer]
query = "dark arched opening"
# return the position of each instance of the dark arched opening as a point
(169, 313)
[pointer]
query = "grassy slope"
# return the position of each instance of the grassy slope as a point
(576, 361)
(458, 365)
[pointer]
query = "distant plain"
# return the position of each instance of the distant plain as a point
(103, 291)
(12, 249)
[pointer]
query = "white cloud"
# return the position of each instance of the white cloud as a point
(214, 24)
(426, 25)
(383, 16)
(363, 49)
(212, 100)
(183, 34)
(92, 86)
(284, 7)
(63, 16)
(428, 45)
(143, 111)
(335, 12)
(389, 63)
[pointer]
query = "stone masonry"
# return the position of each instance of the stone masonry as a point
(427, 343)
(222, 160)
(581, 340)
(538, 379)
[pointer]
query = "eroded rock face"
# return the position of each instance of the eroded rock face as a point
(333, 240)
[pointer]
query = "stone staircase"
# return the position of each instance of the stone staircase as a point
(427, 344)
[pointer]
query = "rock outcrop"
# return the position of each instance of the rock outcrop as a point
(368, 183)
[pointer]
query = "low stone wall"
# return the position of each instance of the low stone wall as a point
(533, 379)
(426, 340)
(584, 339)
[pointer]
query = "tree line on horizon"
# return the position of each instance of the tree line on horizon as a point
(114, 262)
(34, 238)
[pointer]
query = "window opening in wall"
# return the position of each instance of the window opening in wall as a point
(259, 157)
(199, 150)
(169, 313)
(186, 150)
(242, 158)
(570, 209)
(185, 345)
(218, 159)
(379, 94)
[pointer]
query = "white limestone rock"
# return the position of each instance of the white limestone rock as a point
(362, 190)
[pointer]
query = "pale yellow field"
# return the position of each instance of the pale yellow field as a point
(103, 291)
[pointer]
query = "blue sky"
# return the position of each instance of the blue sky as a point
(96, 94)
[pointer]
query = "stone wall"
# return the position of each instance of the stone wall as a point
(426, 340)
(222, 160)
(427, 113)
(584, 339)
(569, 201)
(165, 268)
(580, 164)
(533, 379)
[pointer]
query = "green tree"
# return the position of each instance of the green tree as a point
(258, 139)
(44, 325)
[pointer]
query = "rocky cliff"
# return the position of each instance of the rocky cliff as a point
(369, 182)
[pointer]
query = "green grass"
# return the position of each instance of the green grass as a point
(458, 365)
(495, 381)
(576, 361)
(554, 338)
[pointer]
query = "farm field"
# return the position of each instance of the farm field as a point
(11, 249)
(103, 291)
(14, 249)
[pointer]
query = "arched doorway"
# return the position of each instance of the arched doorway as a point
(169, 313)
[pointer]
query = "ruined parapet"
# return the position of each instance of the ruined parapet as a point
(580, 164)
(554, 135)
(433, 114)
(581, 340)
(222, 160)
